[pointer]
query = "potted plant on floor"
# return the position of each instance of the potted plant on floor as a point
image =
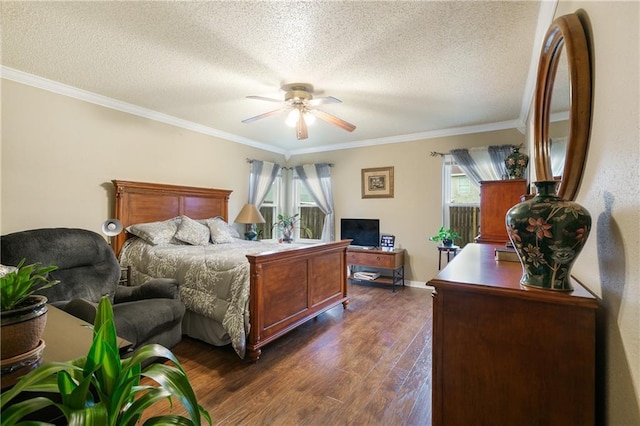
(445, 236)
(103, 389)
(23, 313)
(286, 224)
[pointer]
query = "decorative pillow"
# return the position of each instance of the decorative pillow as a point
(155, 232)
(221, 231)
(192, 232)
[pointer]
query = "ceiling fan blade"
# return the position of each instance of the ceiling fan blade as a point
(262, 98)
(324, 100)
(332, 119)
(301, 128)
(265, 115)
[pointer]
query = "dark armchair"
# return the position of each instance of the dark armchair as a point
(87, 270)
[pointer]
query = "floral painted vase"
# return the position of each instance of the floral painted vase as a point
(516, 164)
(548, 233)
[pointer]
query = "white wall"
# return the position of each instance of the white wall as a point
(610, 263)
(60, 154)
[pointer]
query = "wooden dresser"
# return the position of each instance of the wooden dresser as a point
(496, 198)
(504, 355)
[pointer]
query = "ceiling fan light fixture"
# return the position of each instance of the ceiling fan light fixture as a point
(309, 118)
(294, 115)
(300, 106)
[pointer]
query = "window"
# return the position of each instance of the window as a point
(461, 202)
(288, 194)
(269, 210)
(311, 217)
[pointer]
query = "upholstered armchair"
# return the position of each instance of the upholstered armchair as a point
(87, 270)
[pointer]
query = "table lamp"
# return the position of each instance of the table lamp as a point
(250, 215)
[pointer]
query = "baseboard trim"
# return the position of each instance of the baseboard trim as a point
(418, 284)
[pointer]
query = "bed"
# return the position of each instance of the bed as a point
(284, 285)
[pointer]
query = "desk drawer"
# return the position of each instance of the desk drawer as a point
(375, 260)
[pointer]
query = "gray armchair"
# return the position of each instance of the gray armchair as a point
(87, 270)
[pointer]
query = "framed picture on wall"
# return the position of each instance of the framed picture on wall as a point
(377, 182)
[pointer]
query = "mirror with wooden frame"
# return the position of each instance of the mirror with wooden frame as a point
(565, 43)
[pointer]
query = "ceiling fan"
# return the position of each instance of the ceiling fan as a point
(300, 104)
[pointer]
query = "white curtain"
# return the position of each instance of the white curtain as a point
(317, 179)
(261, 178)
(485, 163)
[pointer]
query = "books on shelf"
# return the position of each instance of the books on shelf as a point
(369, 276)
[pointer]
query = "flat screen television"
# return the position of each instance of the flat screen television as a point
(363, 232)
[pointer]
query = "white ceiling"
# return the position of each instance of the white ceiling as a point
(403, 70)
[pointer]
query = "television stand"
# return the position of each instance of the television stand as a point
(386, 260)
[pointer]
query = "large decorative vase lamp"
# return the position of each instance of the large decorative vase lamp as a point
(548, 234)
(250, 215)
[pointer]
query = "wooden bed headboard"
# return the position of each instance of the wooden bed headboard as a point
(139, 202)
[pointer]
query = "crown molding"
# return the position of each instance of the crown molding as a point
(454, 131)
(83, 95)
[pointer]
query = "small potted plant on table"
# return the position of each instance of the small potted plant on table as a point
(445, 236)
(23, 313)
(286, 224)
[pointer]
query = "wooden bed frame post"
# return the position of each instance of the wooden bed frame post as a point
(253, 349)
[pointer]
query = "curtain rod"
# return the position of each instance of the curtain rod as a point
(442, 154)
(249, 160)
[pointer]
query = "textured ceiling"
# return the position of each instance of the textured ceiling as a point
(400, 68)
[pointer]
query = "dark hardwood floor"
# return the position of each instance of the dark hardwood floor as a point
(367, 365)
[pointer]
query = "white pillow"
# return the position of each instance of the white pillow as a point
(155, 233)
(221, 232)
(192, 232)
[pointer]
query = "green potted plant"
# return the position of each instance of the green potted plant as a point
(445, 236)
(103, 389)
(286, 224)
(23, 314)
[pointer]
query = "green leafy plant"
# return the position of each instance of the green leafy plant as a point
(445, 235)
(102, 389)
(21, 283)
(286, 222)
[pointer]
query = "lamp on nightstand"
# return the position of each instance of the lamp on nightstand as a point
(250, 215)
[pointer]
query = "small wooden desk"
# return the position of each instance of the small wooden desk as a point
(378, 259)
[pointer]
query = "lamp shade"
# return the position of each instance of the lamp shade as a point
(249, 214)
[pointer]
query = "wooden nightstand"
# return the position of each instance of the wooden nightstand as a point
(387, 260)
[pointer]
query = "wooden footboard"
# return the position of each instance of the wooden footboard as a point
(290, 287)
